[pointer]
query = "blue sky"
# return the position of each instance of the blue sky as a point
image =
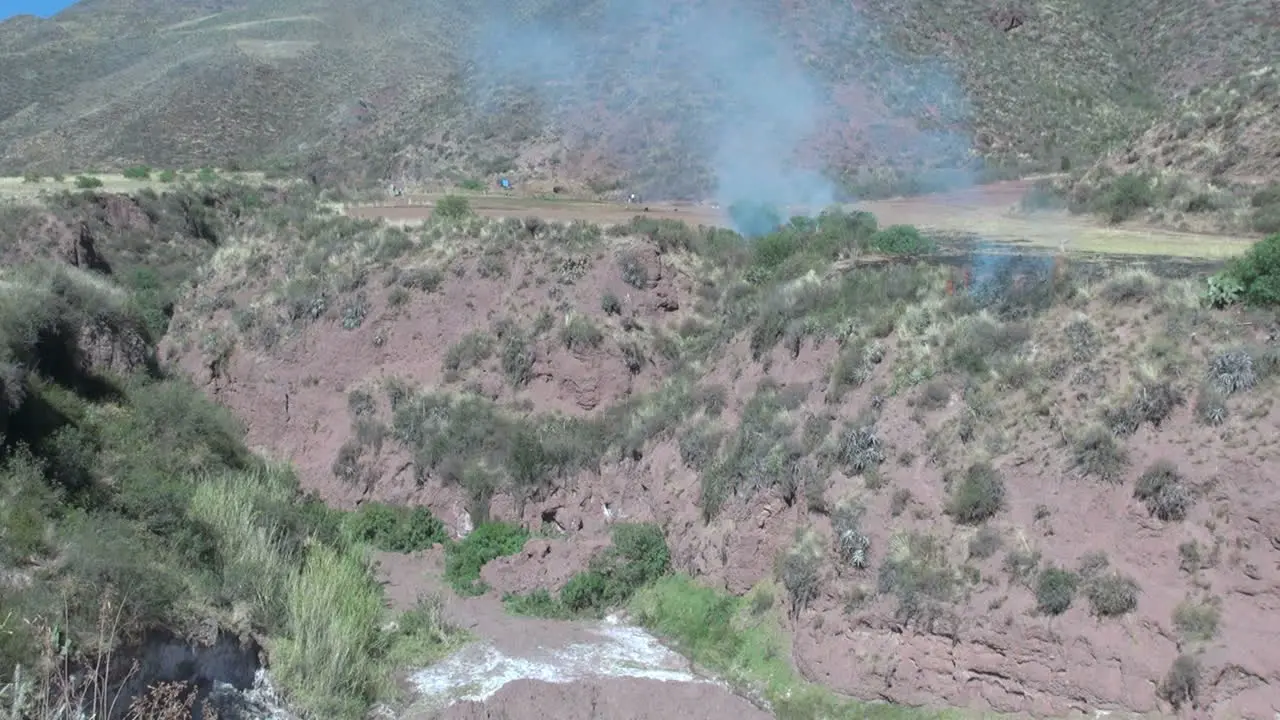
(43, 8)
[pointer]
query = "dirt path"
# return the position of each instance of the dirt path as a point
(529, 669)
(984, 210)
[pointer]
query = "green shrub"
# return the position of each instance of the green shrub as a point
(579, 334)
(978, 497)
(634, 272)
(1257, 273)
(88, 182)
(489, 541)
(1266, 219)
(800, 570)
(1164, 491)
(469, 352)
(395, 528)
(1126, 196)
(610, 304)
(1055, 589)
(853, 547)
(918, 573)
(984, 543)
(1181, 685)
(902, 240)
(138, 172)
(637, 557)
(1196, 621)
(452, 207)
(167, 176)
(1096, 453)
(1112, 595)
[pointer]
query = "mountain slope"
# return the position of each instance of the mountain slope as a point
(668, 100)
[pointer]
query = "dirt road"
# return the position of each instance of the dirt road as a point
(984, 210)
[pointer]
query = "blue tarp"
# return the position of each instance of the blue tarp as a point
(505, 183)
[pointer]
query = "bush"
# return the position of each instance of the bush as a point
(799, 568)
(1196, 621)
(902, 240)
(517, 359)
(634, 272)
(167, 176)
(1055, 589)
(978, 497)
(579, 334)
(1181, 684)
(637, 557)
(138, 172)
(489, 541)
(1211, 405)
(1258, 272)
(860, 449)
(1096, 453)
(452, 207)
(1112, 595)
(917, 572)
(1162, 489)
(1232, 372)
(852, 545)
(984, 543)
(610, 304)
(88, 182)
(469, 352)
(1126, 197)
(396, 529)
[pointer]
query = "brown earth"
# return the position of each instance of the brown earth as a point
(988, 650)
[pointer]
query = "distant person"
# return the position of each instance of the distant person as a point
(505, 183)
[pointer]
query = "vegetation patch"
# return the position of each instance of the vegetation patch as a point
(917, 572)
(741, 639)
(1055, 589)
(1097, 454)
(465, 558)
(637, 557)
(1164, 491)
(978, 496)
(1112, 595)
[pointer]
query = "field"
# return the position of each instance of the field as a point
(985, 212)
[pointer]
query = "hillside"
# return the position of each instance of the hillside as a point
(1011, 486)
(881, 96)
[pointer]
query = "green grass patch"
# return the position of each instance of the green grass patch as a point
(489, 541)
(741, 639)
